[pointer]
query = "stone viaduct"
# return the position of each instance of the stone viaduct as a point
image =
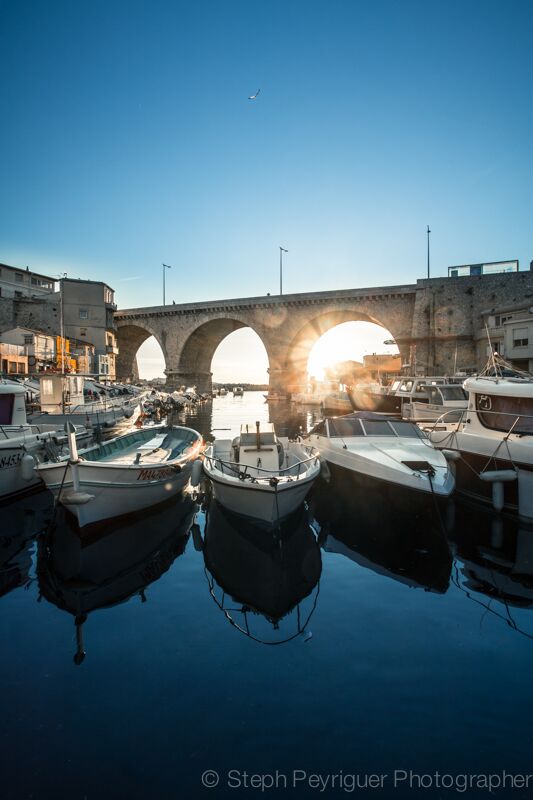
(435, 323)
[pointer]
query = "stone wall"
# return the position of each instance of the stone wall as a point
(40, 314)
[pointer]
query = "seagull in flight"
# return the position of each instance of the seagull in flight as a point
(254, 96)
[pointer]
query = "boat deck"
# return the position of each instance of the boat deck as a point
(144, 447)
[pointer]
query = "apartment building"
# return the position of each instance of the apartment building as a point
(20, 283)
(88, 308)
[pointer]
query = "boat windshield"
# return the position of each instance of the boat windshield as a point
(501, 413)
(344, 427)
(453, 392)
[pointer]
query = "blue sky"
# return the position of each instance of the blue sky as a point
(127, 139)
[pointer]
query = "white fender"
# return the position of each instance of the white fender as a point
(27, 465)
(196, 472)
(325, 471)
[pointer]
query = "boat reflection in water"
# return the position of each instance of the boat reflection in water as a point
(409, 548)
(81, 574)
(263, 577)
(494, 557)
(21, 522)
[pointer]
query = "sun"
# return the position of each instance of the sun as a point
(349, 341)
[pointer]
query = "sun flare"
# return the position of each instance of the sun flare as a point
(349, 341)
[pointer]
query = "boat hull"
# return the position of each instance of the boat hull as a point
(115, 492)
(261, 504)
(369, 489)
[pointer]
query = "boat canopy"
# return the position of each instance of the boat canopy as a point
(371, 423)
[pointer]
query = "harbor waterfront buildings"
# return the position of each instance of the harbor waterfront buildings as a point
(18, 283)
(440, 325)
(35, 315)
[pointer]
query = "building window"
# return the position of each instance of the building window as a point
(520, 337)
(501, 319)
(28, 338)
(18, 294)
(18, 277)
(84, 314)
(83, 331)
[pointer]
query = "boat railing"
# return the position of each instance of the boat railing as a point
(240, 469)
(512, 420)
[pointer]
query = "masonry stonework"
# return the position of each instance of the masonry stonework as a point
(435, 323)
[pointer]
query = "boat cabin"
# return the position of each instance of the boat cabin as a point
(12, 404)
(60, 392)
(365, 423)
(257, 449)
(503, 405)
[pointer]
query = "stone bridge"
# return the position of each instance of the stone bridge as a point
(433, 321)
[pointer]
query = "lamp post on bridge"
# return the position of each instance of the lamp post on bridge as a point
(281, 251)
(165, 266)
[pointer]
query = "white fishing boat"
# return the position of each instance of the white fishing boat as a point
(376, 451)
(449, 399)
(62, 399)
(125, 474)
(22, 445)
(492, 445)
(238, 391)
(260, 476)
(336, 403)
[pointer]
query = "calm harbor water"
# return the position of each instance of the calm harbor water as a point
(370, 644)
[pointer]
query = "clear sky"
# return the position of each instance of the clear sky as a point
(127, 139)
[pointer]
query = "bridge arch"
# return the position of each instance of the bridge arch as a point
(301, 344)
(129, 339)
(195, 356)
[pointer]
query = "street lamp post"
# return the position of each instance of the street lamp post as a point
(165, 266)
(428, 249)
(281, 251)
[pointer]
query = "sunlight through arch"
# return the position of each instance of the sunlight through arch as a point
(150, 360)
(240, 358)
(348, 341)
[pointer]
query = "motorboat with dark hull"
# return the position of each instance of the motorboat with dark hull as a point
(82, 574)
(491, 447)
(385, 458)
(263, 576)
(419, 399)
(409, 548)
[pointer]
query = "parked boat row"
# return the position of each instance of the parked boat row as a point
(486, 450)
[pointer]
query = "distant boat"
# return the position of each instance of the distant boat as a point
(273, 397)
(336, 403)
(238, 391)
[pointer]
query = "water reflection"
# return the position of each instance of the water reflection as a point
(265, 577)
(21, 521)
(410, 548)
(80, 574)
(223, 416)
(494, 557)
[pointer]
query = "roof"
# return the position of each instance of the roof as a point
(505, 387)
(28, 272)
(30, 330)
